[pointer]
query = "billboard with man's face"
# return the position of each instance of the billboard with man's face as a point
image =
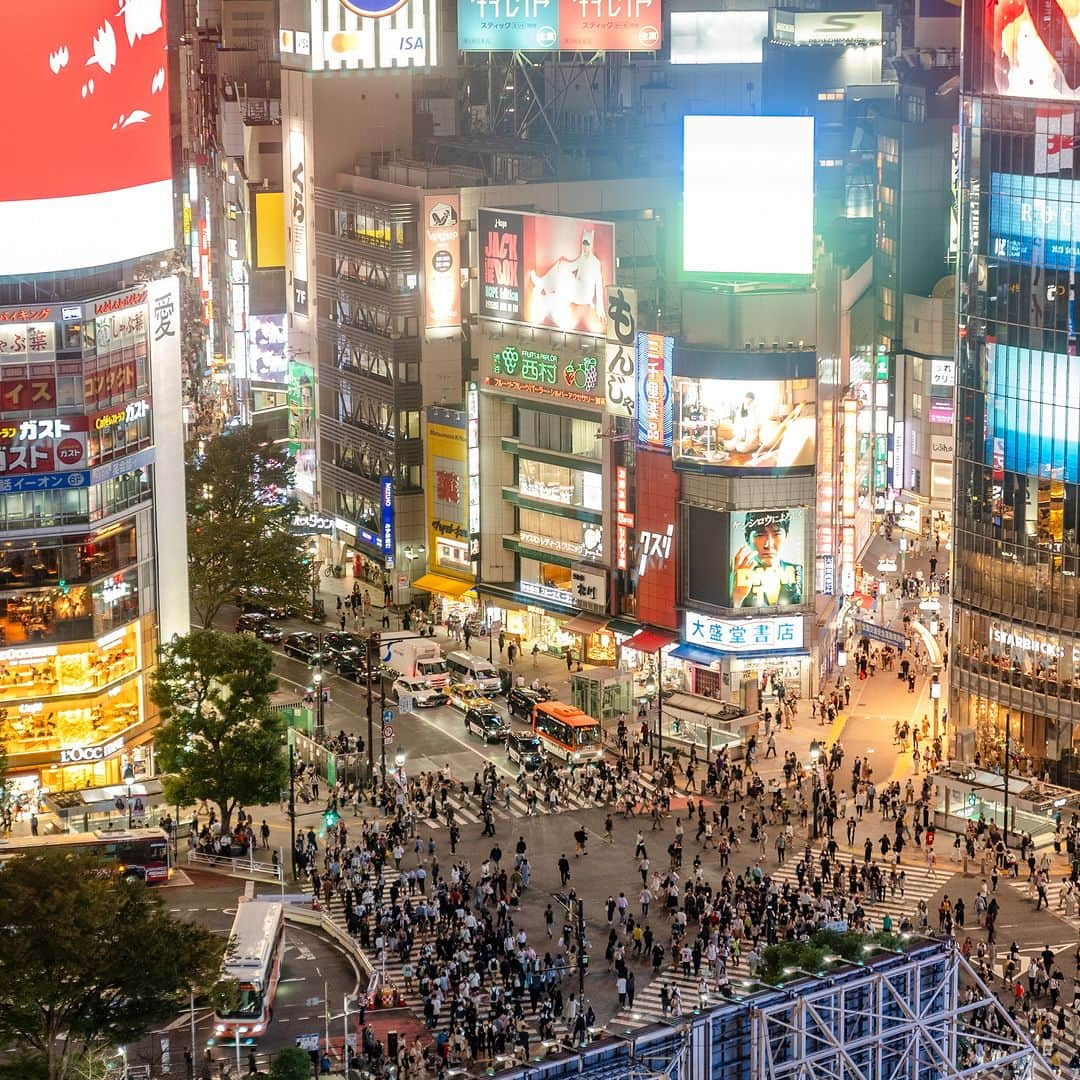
(768, 548)
(546, 271)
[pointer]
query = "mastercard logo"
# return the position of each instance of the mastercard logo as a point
(373, 9)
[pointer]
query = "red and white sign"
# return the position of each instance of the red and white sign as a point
(87, 179)
(1054, 127)
(42, 446)
(624, 520)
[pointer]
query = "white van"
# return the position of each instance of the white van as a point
(468, 668)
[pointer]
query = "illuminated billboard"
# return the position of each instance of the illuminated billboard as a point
(748, 195)
(1033, 412)
(545, 271)
(442, 261)
(548, 25)
(267, 341)
(1024, 50)
(268, 229)
(1035, 220)
(355, 35)
(741, 425)
(300, 397)
(447, 487)
(654, 416)
(826, 27)
(768, 548)
(88, 176)
(718, 37)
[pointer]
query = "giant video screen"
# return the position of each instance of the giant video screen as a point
(768, 552)
(87, 176)
(742, 425)
(1019, 49)
(1033, 412)
(1035, 220)
(748, 195)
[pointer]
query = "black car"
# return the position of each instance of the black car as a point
(302, 646)
(254, 601)
(339, 641)
(521, 701)
(352, 664)
(259, 625)
(487, 722)
(525, 748)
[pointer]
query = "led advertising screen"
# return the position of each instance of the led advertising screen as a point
(1035, 220)
(742, 425)
(768, 548)
(87, 179)
(442, 261)
(267, 341)
(1033, 413)
(718, 37)
(654, 358)
(548, 25)
(1021, 49)
(748, 194)
(546, 271)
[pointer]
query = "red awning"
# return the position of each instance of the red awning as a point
(863, 600)
(650, 640)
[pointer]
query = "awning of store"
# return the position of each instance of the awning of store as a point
(584, 624)
(695, 654)
(863, 600)
(649, 640)
(438, 584)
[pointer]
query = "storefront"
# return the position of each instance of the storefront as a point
(450, 598)
(645, 656)
(594, 643)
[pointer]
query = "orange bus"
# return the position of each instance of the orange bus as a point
(567, 732)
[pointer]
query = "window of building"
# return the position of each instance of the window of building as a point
(916, 405)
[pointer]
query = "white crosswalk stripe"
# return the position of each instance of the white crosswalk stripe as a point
(1066, 910)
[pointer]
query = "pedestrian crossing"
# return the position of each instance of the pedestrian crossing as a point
(1065, 906)
(699, 991)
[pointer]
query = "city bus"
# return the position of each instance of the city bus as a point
(567, 732)
(136, 853)
(253, 961)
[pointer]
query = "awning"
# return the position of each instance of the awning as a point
(439, 584)
(649, 640)
(584, 624)
(695, 654)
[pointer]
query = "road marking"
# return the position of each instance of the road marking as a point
(468, 746)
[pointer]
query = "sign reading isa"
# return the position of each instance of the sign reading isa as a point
(501, 239)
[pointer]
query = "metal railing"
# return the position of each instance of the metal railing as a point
(241, 865)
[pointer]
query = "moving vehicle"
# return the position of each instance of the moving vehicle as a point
(525, 748)
(254, 599)
(521, 701)
(303, 645)
(486, 721)
(464, 695)
(259, 624)
(468, 668)
(416, 658)
(567, 732)
(424, 695)
(338, 641)
(132, 853)
(253, 961)
(352, 664)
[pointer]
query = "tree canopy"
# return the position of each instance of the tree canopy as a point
(219, 739)
(239, 510)
(292, 1063)
(88, 958)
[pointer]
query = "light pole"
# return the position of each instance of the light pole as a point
(935, 697)
(815, 754)
(411, 554)
(129, 776)
(650, 693)
(239, 1031)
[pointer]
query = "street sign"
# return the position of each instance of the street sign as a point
(405, 703)
(387, 715)
(388, 733)
(308, 1042)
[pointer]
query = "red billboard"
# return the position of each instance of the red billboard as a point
(546, 271)
(655, 538)
(88, 180)
(42, 446)
(617, 25)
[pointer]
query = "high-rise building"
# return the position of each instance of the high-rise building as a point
(93, 561)
(1016, 622)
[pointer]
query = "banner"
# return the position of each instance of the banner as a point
(545, 271)
(655, 353)
(298, 218)
(442, 261)
(547, 25)
(620, 389)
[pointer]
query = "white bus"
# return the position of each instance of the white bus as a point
(253, 961)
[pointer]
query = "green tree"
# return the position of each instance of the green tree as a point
(88, 959)
(219, 740)
(292, 1063)
(239, 512)
(7, 793)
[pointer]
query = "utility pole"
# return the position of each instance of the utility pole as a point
(370, 730)
(320, 704)
(292, 807)
(382, 726)
(1008, 739)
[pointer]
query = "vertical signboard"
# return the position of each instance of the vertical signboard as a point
(654, 356)
(300, 398)
(442, 258)
(620, 387)
(656, 510)
(472, 434)
(298, 218)
(388, 540)
(624, 520)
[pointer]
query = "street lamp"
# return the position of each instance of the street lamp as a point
(650, 693)
(239, 1031)
(129, 777)
(815, 754)
(412, 552)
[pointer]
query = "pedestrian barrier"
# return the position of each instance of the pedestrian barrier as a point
(240, 866)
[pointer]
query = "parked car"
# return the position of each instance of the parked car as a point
(339, 641)
(303, 645)
(521, 701)
(424, 695)
(487, 722)
(525, 748)
(352, 664)
(464, 695)
(258, 624)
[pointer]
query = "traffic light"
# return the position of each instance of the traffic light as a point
(64, 588)
(330, 818)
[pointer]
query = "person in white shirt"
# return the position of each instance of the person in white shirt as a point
(570, 283)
